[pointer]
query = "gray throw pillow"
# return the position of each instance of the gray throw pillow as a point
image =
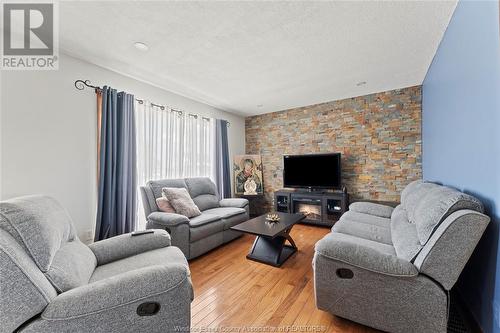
(180, 199)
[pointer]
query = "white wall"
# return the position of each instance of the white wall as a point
(48, 132)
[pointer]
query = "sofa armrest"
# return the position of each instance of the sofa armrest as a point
(167, 219)
(126, 245)
(119, 291)
(371, 209)
(234, 202)
(365, 254)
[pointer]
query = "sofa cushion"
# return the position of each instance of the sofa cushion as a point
(156, 186)
(43, 227)
(225, 212)
(203, 191)
(410, 188)
(234, 202)
(404, 234)
(365, 226)
(162, 256)
(364, 253)
(230, 216)
(231, 221)
(70, 266)
(412, 197)
(204, 227)
(38, 223)
(371, 209)
(438, 204)
(206, 201)
(181, 201)
(202, 219)
(366, 218)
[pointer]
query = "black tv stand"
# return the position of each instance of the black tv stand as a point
(310, 190)
(322, 207)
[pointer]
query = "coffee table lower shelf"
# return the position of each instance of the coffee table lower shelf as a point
(269, 245)
(271, 251)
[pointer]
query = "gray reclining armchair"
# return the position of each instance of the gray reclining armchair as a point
(52, 282)
(392, 269)
(202, 233)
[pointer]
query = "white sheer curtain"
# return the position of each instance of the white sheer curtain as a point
(172, 145)
(197, 152)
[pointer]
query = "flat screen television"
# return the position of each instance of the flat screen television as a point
(313, 171)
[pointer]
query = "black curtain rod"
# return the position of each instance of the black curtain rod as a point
(81, 84)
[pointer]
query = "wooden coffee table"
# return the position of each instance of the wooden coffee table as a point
(269, 245)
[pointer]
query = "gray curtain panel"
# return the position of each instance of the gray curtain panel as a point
(117, 192)
(222, 166)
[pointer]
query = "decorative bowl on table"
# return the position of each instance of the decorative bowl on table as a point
(272, 218)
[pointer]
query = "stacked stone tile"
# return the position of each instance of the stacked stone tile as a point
(379, 136)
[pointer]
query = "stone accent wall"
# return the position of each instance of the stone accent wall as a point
(379, 136)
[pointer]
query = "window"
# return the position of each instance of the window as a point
(171, 144)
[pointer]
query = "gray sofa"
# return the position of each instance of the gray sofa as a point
(52, 282)
(202, 233)
(392, 269)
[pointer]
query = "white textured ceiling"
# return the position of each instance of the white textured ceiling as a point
(279, 55)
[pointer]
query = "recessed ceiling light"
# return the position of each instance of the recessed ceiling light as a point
(260, 105)
(141, 46)
(362, 83)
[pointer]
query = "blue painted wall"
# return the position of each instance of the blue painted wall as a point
(461, 138)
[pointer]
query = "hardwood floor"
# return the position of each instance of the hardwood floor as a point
(233, 294)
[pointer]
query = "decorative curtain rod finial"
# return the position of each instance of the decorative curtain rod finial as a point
(81, 84)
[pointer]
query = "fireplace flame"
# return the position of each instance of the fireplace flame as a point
(313, 211)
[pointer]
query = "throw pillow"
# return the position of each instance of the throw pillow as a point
(164, 205)
(180, 199)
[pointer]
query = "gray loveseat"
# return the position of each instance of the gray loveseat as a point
(202, 233)
(392, 269)
(52, 282)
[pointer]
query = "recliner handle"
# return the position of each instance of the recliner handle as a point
(344, 273)
(148, 309)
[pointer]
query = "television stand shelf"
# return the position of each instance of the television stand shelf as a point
(320, 207)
